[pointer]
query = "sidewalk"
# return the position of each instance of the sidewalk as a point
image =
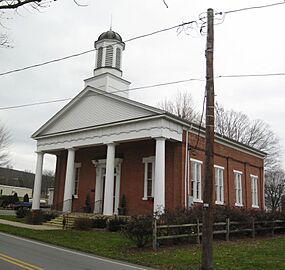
(28, 226)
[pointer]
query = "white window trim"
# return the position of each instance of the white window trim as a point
(76, 166)
(256, 178)
(240, 204)
(197, 200)
(147, 160)
(223, 195)
(219, 167)
(196, 160)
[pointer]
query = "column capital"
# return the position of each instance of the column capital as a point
(111, 143)
(160, 138)
(39, 152)
(71, 149)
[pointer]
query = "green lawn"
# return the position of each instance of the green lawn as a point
(249, 254)
(12, 218)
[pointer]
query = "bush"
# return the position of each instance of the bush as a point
(35, 217)
(83, 224)
(139, 229)
(26, 198)
(22, 212)
(16, 198)
(47, 216)
(5, 200)
(87, 208)
(99, 222)
(116, 224)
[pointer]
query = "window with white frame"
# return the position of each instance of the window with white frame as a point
(238, 187)
(254, 196)
(219, 181)
(148, 177)
(76, 179)
(196, 167)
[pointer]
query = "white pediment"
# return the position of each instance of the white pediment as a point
(93, 108)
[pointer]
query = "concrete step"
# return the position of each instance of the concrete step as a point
(70, 219)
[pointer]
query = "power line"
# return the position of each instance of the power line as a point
(97, 94)
(146, 87)
(250, 75)
(92, 50)
(253, 7)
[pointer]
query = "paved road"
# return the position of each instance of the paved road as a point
(18, 253)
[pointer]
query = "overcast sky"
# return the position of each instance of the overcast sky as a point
(246, 42)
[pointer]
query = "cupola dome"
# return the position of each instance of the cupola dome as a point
(110, 35)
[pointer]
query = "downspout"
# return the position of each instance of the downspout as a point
(262, 174)
(186, 168)
(228, 181)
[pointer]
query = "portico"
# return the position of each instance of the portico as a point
(108, 176)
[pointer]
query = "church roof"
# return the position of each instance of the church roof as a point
(110, 35)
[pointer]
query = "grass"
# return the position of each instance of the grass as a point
(12, 218)
(257, 254)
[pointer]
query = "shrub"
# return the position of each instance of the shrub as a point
(22, 212)
(116, 224)
(139, 229)
(99, 222)
(47, 216)
(16, 199)
(35, 217)
(26, 198)
(5, 200)
(87, 208)
(83, 224)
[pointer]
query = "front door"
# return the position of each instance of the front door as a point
(100, 186)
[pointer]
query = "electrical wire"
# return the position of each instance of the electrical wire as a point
(96, 94)
(149, 86)
(254, 7)
(92, 50)
(250, 75)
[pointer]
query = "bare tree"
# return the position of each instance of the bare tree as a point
(4, 146)
(181, 105)
(274, 188)
(6, 5)
(256, 133)
(35, 4)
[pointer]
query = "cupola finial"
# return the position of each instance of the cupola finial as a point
(111, 24)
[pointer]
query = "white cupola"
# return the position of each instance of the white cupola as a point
(109, 48)
(107, 72)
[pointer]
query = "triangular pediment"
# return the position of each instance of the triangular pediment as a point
(93, 107)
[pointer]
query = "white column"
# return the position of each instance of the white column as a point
(117, 189)
(159, 178)
(38, 182)
(69, 178)
(98, 189)
(109, 181)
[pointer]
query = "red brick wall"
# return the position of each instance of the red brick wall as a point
(132, 173)
(232, 159)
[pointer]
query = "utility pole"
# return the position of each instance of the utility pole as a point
(207, 232)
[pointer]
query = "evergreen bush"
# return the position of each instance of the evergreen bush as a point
(26, 198)
(22, 212)
(99, 222)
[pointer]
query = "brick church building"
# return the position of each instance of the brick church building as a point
(109, 146)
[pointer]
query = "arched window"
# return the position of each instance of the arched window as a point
(118, 58)
(109, 56)
(99, 57)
